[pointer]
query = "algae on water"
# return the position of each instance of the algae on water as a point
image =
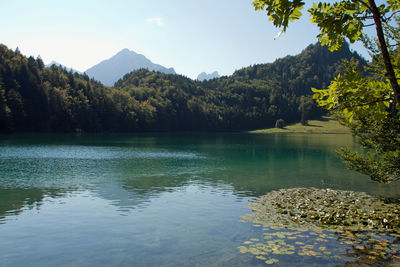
(303, 221)
(325, 208)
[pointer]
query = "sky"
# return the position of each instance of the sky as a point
(190, 36)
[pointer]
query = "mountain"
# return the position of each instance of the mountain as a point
(34, 98)
(125, 61)
(62, 66)
(205, 76)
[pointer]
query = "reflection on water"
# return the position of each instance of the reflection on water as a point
(152, 199)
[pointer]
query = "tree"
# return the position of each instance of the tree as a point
(305, 108)
(368, 105)
(4, 112)
(340, 20)
(280, 123)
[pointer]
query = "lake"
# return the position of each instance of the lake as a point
(155, 199)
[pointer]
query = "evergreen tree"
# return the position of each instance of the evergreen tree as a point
(5, 112)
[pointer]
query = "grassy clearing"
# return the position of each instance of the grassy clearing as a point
(327, 125)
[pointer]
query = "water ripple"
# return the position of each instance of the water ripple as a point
(85, 152)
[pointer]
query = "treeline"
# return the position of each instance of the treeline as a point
(35, 98)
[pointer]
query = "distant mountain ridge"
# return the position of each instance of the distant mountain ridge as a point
(62, 66)
(125, 61)
(208, 76)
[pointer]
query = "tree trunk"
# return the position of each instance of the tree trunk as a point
(384, 49)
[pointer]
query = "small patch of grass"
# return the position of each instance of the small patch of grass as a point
(327, 125)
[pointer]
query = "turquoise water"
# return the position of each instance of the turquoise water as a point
(153, 199)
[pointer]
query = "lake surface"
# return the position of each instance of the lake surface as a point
(154, 199)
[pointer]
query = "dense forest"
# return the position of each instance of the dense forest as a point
(35, 98)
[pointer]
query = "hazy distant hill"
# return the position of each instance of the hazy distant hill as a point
(208, 76)
(111, 70)
(62, 66)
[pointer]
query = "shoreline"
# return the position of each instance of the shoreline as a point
(327, 125)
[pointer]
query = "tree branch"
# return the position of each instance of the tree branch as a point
(369, 103)
(390, 17)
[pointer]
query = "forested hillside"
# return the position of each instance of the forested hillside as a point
(34, 98)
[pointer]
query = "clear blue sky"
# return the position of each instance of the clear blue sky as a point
(188, 35)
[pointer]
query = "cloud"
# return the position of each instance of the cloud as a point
(157, 21)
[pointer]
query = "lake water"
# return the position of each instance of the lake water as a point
(154, 199)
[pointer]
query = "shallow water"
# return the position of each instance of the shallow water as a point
(153, 199)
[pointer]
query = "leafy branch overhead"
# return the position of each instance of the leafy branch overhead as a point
(366, 106)
(352, 93)
(280, 12)
(339, 21)
(336, 21)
